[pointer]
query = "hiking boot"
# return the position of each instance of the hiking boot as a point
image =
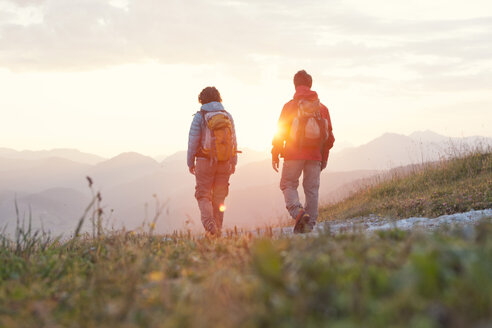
(302, 223)
(310, 226)
(211, 227)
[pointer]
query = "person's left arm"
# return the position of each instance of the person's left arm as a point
(194, 137)
(330, 140)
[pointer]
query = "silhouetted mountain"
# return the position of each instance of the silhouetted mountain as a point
(70, 154)
(161, 157)
(250, 156)
(57, 210)
(122, 168)
(392, 150)
(450, 143)
(35, 176)
(56, 188)
(389, 150)
(247, 156)
(179, 156)
(341, 145)
(428, 136)
(12, 164)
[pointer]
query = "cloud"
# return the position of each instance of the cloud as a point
(24, 3)
(90, 34)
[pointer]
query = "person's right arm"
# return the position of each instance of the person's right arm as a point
(194, 137)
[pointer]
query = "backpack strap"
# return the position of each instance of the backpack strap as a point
(202, 112)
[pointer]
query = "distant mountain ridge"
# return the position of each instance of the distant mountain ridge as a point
(246, 156)
(432, 137)
(392, 150)
(70, 154)
(55, 188)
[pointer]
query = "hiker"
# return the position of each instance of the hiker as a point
(304, 139)
(212, 157)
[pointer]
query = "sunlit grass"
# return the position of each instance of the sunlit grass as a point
(386, 279)
(392, 278)
(450, 186)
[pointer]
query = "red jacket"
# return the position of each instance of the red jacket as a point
(291, 151)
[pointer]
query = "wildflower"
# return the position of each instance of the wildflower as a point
(156, 276)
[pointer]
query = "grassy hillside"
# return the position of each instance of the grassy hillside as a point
(431, 190)
(387, 279)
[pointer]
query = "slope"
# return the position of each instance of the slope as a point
(449, 186)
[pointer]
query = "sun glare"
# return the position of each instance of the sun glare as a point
(222, 208)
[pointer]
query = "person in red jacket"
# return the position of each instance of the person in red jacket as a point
(304, 139)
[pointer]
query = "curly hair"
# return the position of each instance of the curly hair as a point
(209, 94)
(303, 78)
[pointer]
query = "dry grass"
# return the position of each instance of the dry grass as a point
(449, 186)
(388, 279)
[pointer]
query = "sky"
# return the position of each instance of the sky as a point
(109, 76)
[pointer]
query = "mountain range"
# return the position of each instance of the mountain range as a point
(51, 186)
(392, 150)
(70, 154)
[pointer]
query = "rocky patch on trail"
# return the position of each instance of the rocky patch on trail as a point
(374, 223)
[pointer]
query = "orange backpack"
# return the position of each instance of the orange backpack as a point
(217, 140)
(308, 128)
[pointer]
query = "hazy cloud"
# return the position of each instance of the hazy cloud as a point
(89, 34)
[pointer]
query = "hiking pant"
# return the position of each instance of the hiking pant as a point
(291, 171)
(212, 187)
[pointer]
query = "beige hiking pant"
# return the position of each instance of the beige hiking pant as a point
(212, 187)
(291, 172)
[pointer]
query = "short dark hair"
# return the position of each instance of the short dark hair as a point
(303, 78)
(209, 94)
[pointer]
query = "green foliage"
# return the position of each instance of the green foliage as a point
(450, 186)
(388, 279)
